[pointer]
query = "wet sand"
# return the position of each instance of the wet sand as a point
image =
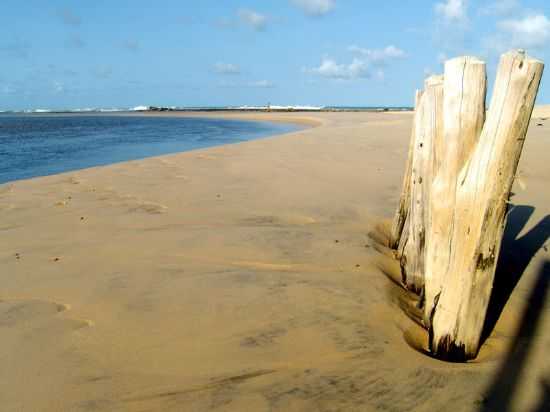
(241, 278)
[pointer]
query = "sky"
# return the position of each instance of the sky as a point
(81, 54)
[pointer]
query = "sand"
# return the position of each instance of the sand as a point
(542, 111)
(242, 278)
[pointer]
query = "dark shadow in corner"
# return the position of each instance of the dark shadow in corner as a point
(501, 392)
(544, 403)
(515, 255)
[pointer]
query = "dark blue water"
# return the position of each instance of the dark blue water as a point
(32, 145)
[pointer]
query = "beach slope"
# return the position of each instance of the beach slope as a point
(241, 277)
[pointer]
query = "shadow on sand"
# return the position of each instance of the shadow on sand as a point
(501, 392)
(515, 255)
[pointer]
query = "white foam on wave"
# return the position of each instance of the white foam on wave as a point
(140, 108)
(84, 110)
(112, 109)
(296, 107)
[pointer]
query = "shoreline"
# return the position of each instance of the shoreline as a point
(297, 118)
(284, 117)
(238, 277)
(300, 122)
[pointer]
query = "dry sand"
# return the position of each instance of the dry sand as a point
(542, 111)
(241, 278)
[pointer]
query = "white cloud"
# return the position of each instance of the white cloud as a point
(368, 63)
(499, 7)
(315, 7)
(330, 69)
(253, 19)
(453, 11)
(227, 68)
(379, 56)
(532, 31)
(451, 26)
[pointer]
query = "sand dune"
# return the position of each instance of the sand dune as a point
(242, 278)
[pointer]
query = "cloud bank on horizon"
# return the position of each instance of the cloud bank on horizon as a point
(313, 52)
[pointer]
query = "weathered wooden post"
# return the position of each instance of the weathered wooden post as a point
(402, 212)
(465, 89)
(428, 130)
(482, 193)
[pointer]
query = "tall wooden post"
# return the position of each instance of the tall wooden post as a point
(482, 193)
(428, 130)
(402, 212)
(465, 88)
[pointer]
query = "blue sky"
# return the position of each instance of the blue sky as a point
(63, 54)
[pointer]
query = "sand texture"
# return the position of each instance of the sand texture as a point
(542, 111)
(241, 278)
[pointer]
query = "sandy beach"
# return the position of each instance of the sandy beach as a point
(242, 278)
(542, 111)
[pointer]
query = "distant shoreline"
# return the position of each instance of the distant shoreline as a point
(245, 109)
(539, 110)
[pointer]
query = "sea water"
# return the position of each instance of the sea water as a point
(35, 145)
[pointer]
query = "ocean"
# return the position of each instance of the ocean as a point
(39, 145)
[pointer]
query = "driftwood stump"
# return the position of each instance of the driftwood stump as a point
(465, 88)
(448, 227)
(428, 131)
(400, 218)
(482, 193)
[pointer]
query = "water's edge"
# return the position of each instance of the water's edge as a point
(238, 130)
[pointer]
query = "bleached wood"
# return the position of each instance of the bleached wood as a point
(465, 88)
(482, 193)
(400, 253)
(428, 129)
(402, 212)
